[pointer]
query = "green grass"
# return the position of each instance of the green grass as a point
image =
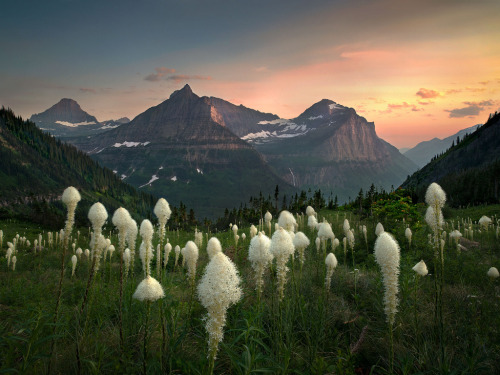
(310, 332)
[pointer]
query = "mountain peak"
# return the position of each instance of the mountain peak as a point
(184, 92)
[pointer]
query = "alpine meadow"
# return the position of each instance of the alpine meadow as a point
(207, 187)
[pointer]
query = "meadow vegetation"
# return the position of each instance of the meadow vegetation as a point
(311, 325)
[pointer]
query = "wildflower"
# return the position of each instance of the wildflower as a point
(331, 263)
(421, 268)
(350, 239)
(162, 212)
(79, 252)
(126, 260)
(14, 261)
(300, 241)
(146, 250)
(318, 244)
(435, 196)
(310, 211)
(177, 253)
(148, 290)
(387, 256)
(260, 257)
(281, 248)
(287, 221)
(268, 217)
(253, 231)
(346, 226)
(484, 222)
(408, 235)
(191, 256)
(219, 288)
(213, 247)
(312, 223)
(167, 250)
(493, 273)
(73, 263)
(379, 229)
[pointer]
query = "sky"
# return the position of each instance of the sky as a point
(418, 69)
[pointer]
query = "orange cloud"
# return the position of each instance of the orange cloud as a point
(427, 94)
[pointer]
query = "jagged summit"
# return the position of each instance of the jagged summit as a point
(184, 92)
(66, 110)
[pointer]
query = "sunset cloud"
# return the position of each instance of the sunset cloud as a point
(87, 90)
(186, 77)
(472, 109)
(427, 93)
(161, 72)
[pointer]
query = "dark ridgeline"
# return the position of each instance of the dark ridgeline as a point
(35, 168)
(469, 172)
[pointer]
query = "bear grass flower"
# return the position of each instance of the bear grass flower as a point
(484, 222)
(300, 241)
(312, 222)
(331, 264)
(281, 248)
(408, 235)
(191, 257)
(387, 255)
(287, 221)
(421, 268)
(213, 247)
(379, 229)
(14, 261)
(310, 211)
(167, 249)
(219, 288)
(260, 257)
(73, 265)
(493, 273)
(253, 231)
(126, 260)
(149, 290)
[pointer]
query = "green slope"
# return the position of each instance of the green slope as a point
(35, 168)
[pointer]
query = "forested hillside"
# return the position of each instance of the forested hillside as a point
(35, 168)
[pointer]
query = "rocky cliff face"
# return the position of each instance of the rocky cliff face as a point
(180, 149)
(338, 151)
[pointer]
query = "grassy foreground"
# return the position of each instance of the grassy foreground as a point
(342, 330)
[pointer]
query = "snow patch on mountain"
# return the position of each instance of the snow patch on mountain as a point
(74, 125)
(153, 179)
(131, 144)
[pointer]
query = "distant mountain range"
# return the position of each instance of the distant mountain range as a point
(35, 169)
(468, 172)
(422, 153)
(211, 154)
(67, 119)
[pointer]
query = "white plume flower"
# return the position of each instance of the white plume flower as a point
(126, 260)
(317, 241)
(346, 226)
(73, 264)
(387, 256)
(191, 255)
(484, 222)
(14, 261)
(281, 248)
(421, 268)
(331, 264)
(121, 220)
(287, 221)
(147, 231)
(253, 231)
(493, 273)
(79, 252)
(8, 255)
(312, 222)
(335, 243)
(433, 219)
(97, 216)
(132, 235)
(219, 288)
(435, 196)
(268, 217)
(310, 211)
(213, 247)
(146, 254)
(111, 250)
(350, 239)
(260, 257)
(300, 241)
(162, 212)
(379, 229)
(408, 235)
(87, 253)
(167, 249)
(177, 253)
(149, 290)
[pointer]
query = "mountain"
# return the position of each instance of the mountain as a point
(67, 119)
(183, 150)
(468, 172)
(35, 169)
(331, 147)
(422, 153)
